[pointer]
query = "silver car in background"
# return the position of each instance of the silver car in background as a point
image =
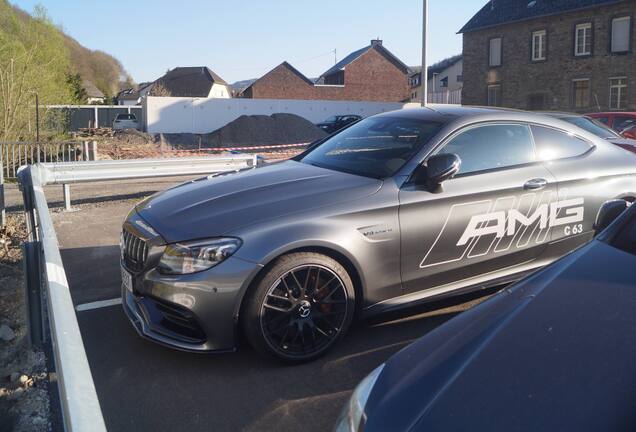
(125, 121)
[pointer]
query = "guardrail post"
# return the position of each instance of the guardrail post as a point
(32, 268)
(93, 150)
(67, 196)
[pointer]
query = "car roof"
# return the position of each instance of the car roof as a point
(449, 113)
(614, 113)
(560, 114)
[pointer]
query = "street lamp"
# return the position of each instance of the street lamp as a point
(424, 78)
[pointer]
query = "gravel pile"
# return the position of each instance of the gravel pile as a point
(256, 130)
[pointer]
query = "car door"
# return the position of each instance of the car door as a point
(580, 195)
(489, 217)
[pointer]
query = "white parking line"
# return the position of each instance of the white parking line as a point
(98, 304)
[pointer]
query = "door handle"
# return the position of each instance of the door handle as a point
(535, 184)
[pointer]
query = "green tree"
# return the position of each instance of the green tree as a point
(33, 60)
(76, 87)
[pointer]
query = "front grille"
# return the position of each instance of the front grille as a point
(135, 251)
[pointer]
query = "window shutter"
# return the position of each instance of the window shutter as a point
(620, 34)
(495, 52)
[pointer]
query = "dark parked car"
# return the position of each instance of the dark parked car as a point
(617, 120)
(597, 128)
(397, 209)
(335, 123)
(555, 352)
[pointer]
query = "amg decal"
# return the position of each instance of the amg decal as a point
(499, 225)
(548, 217)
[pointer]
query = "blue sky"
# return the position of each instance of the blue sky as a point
(241, 39)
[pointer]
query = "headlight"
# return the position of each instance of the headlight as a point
(353, 418)
(192, 257)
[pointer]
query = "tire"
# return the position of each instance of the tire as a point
(301, 306)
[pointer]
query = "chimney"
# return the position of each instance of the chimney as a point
(375, 42)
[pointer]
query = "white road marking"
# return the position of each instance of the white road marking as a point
(98, 304)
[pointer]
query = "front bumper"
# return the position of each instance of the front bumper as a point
(196, 312)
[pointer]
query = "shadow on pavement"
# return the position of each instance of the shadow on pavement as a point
(146, 387)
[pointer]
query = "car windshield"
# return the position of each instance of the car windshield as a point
(126, 117)
(592, 126)
(625, 238)
(331, 119)
(375, 147)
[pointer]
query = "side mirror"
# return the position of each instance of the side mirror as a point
(442, 167)
(608, 213)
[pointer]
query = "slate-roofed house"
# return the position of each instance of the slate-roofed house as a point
(93, 94)
(574, 55)
(193, 82)
(372, 73)
(133, 96)
(445, 81)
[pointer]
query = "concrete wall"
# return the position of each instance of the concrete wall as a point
(202, 115)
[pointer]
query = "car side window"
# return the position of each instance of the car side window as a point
(603, 120)
(622, 123)
(491, 147)
(553, 144)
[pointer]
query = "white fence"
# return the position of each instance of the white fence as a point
(201, 115)
(446, 97)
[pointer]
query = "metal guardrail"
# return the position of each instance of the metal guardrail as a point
(43, 264)
(84, 172)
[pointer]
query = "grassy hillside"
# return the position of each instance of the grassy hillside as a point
(102, 69)
(36, 57)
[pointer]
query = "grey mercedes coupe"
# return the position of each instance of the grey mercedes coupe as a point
(400, 208)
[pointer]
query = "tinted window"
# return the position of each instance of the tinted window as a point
(622, 123)
(553, 144)
(603, 120)
(592, 126)
(625, 239)
(375, 147)
(493, 146)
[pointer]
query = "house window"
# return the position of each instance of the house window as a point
(583, 39)
(581, 93)
(443, 82)
(620, 34)
(495, 52)
(494, 95)
(539, 45)
(618, 93)
(460, 78)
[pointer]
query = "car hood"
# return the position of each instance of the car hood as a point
(216, 206)
(554, 352)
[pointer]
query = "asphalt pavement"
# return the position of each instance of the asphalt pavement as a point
(146, 387)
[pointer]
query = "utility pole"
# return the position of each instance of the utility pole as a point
(335, 56)
(424, 73)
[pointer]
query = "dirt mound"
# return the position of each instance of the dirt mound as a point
(257, 130)
(132, 136)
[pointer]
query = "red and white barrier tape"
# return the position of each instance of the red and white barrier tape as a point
(244, 148)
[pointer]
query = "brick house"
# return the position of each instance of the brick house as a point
(572, 55)
(372, 73)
